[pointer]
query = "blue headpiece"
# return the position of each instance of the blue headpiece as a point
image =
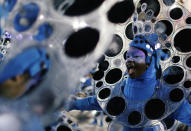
(32, 60)
(145, 39)
(150, 45)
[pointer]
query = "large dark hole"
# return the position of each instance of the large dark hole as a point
(154, 108)
(181, 40)
(121, 11)
(169, 122)
(173, 74)
(63, 128)
(175, 59)
(104, 93)
(98, 75)
(82, 42)
(115, 47)
(134, 118)
(187, 84)
(168, 25)
(176, 95)
(166, 55)
(151, 4)
(188, 62)
(168, 2)
(79, 7)
(176, 13)
(188, 20)
(129, 32)
(103, 65)
(113, 76)
(115, 106)
(108, 119)
(99, 84)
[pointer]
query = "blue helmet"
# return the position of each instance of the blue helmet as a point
(32, 60)
(149, 43)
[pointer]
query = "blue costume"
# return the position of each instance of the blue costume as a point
(138, 93)
(33, 61)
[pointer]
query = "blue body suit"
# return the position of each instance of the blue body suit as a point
(90, 103)
(137, 89)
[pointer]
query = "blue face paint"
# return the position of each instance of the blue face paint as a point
(135, 55)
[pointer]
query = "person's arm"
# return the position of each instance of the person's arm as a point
(85, 104)
(183, 113)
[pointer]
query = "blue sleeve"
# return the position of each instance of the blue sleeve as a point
(89, 103)
(183, 113)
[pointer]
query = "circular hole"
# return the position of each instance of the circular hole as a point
(134, 118)
(147, 28)
(168, 25)
(173, 74)
(176, 13)
(99, 84)
(168, 2)
(166, 54)
(103, 65)
(129, 32)
(82, 42)
(176, 95)
(113, 76)
(154, 108)
(124, 55)
(104, 93)
(188, 62)
(77, 7)
(152, 5)
(108, 119)
(187, 84)
(115, 106)
(188, 20)
(121, 11)
(69, 121)
(175, 59)
(168, 45)
(169, 122)
(181, 40)
(63, 128)
(98, 75)
(115, 47)
(117, 62)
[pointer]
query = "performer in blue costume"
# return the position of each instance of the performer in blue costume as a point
(143, 68)
(22, 73)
